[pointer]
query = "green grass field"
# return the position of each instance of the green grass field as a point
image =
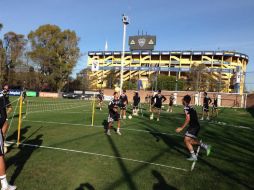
(60, 150)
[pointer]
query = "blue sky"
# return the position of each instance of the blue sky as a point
(178, 25)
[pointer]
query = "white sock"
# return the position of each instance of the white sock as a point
(4, 182)
(118, 129)
(203, 145)
(192, 153)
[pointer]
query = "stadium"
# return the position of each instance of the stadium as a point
(142, 61)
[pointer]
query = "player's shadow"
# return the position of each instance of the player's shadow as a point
(251, 111)
(20, 159)
(161, 184)
(14, 135)
(127, 175)
(85, 186)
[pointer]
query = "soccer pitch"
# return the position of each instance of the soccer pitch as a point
(61, 150)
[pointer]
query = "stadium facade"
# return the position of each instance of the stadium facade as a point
(141, 63)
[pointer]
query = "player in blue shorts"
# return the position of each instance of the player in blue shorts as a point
(190, 138)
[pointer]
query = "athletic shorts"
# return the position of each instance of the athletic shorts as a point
(170, 103)
(192, 132)
(113, 116)
(1, 143)
(206, 108)
(157, 107)
(215, 107)
(123, 107)
(135, 107)
(3, 118)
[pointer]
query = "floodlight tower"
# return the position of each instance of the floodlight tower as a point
(125, 21)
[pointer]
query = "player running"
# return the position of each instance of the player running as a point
(123, 104)
(3, 115)
(206, 102)
(170, 105)
(136, 101)
(113, 114)
(191, 133)
(100, 98)
(156, 108)
(215, 105)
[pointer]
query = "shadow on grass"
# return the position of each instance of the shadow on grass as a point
(20, 159)
(84, 186)
(123, 168)
(14, 135)
(162, 184)
(251, 111)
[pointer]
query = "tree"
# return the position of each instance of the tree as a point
(1, 26)
(14, 45)
(56, 52)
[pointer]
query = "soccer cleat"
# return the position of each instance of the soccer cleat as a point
(151, 117)
(6, 144)
(158, 119)
(192, 158)
(202, 119)
(208, 150)
(118, 132)
(10, 187)
(108, 133)
(207, 118)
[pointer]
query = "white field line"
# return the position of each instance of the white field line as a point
(101, 126)
(102, 155)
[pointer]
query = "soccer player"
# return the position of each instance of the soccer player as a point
(170, 105)
(100, 98)
(152, 100)
(123, 104)
(8, 108)
(215, 105)
(24, 95)
(136, 101)
(156, 108)
(206, 102)
(3, 115)
(113, 114)
(191, 133)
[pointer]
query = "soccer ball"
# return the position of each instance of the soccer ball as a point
(130, 117)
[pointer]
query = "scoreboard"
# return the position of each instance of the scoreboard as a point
(143, 42)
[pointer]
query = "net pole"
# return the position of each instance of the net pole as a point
(93, 111)
(20, 118)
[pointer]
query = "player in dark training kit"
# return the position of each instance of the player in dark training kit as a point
(215, 105)
(171, 101)
(158, 100)
(123, 104)
(192, 131)
(136, 101)
(100, 98)
(206, 102)
(113, 114)
(3, 116)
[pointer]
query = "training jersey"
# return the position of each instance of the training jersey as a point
(3, 114)
(171, 99)
(123, 99)
(215, 102)
(6, 97)
(158, 99)
(136, 100)
(207, 101)
(193, 116)
(100, 96)
(114, 103)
